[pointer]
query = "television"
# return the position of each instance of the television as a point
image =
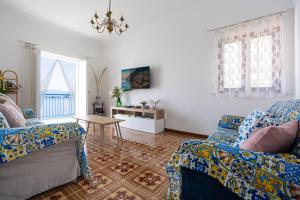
(136, 78)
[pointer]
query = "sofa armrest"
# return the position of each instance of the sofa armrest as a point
(17, 142)
(251, 175)
(28, 113)
(230, 122)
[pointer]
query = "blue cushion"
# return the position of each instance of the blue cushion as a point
(257, 119)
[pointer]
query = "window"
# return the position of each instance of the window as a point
(249, 59)
(261, 62)
(233, 65)
(62, 86)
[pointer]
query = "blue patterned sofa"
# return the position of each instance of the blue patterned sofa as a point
(214, 169)
(38, 157)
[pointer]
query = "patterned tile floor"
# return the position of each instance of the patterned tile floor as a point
(132, 169)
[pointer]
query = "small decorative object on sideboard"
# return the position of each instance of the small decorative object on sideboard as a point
(144, 103)
(117, 93)
(154, 103)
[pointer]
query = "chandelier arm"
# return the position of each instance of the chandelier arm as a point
(116, 23)
(117, 31)
(102, 23)
(101, 31)
(120, 24)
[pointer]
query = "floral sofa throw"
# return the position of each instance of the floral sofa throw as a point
(18, 142)
(250, 175)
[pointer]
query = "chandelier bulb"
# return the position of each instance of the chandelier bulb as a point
(96, 16)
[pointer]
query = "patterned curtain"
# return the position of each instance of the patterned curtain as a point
(29, 77)
(249, 59)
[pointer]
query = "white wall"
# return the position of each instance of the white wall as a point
(297, 48)
(171, 37)
(18, 26)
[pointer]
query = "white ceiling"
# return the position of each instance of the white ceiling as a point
(76, 14)
(71, 14)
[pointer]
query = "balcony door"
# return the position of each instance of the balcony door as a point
(62, 86)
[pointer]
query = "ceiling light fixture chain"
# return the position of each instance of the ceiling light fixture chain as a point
(109, 23)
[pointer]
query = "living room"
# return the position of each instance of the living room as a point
(198, 79)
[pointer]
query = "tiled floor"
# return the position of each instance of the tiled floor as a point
(132, 169)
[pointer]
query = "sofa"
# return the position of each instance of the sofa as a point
(214, 169)
(39, 156)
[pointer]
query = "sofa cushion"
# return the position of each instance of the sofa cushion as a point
(3, 122)
(12, 115)
(28, 114)
(4, 98)
(273, 139)
(256, 119)
(296, 145)
(247, 127)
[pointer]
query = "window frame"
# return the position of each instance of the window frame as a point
(245, 38)
(221, 59)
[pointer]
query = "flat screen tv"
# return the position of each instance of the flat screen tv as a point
(136, 78)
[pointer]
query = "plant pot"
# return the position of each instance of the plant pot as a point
(119, 102)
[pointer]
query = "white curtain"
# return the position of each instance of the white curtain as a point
(248, 59)
(56, 79)
(29, 77)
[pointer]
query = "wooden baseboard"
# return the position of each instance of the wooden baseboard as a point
(186, 133)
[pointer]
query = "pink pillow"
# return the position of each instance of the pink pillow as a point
(12, 115)
(273, 139)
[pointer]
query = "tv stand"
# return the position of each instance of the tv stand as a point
(146, 120)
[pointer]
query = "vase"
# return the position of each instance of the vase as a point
(119, 102)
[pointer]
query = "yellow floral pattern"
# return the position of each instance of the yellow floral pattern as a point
(251, 175)
(18, 142)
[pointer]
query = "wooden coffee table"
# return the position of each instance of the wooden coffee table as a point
(102, 121)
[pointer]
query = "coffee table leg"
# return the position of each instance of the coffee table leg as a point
(101, 136)
(118, 124)
(117, 131)
(88, 127)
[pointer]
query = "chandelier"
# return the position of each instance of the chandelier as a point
(109, 23)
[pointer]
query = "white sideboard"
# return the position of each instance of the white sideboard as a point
(146, 120)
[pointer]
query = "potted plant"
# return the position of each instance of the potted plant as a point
(154, 103)
(117, 93)
(144, 103)
(3, 86)
(98, 76)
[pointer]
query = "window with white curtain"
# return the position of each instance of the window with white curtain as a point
(233, 65)
(249, 58)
